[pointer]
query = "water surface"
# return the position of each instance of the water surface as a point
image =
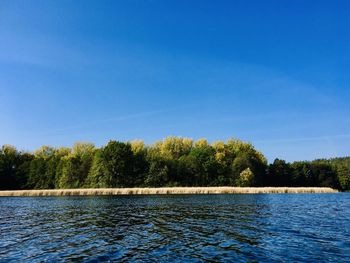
(196, 228)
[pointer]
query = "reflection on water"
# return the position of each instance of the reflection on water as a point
(193, 228)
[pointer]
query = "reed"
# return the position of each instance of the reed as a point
(169, 190)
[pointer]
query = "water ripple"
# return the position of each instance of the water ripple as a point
(240, 228)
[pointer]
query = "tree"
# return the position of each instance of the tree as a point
(205, 170)
(188, 171)
(37, 174)
(22, 171)
(279, 174)
(140, 163)
(175, 161)
(70, 175)
(325, 176)
(343, 172)
(246, 178)
(300, 173)
(44, 152)
(74, 167)
(174, 147)
(97, 174)
(117, 160)
(158, 174)
(9, 161)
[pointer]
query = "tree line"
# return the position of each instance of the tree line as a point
(173, 161)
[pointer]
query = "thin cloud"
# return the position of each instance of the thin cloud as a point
(306, 139)
(114, 119)
(107, 120)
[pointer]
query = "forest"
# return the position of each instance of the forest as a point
(173, 161)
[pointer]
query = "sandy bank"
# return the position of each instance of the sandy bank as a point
(168, 190)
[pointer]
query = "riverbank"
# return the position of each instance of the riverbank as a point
(168, 190)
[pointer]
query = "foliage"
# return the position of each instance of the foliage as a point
(173, 161)
(9, 162)
(246, 178)
(116, 161)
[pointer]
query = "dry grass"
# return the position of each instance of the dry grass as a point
(168, 190)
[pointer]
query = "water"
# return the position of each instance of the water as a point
(265, 228)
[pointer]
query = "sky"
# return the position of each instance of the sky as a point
(273, 73)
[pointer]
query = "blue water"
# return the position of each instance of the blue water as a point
(196, 228)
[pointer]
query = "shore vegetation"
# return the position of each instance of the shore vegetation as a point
(171, 162)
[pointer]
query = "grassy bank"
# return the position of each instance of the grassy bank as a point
(168, 190)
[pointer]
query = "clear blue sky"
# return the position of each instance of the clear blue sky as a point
(275, 73)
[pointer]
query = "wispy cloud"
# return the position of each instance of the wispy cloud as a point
(305, 139)
(38, 50)
(138, 115)
(106, 120)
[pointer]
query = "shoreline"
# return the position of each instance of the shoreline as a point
(168, 191)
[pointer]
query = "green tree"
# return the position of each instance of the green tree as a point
(42, 169)
(117, 160)
(325, 175)
(246, 178)
(37, 174)
(70, 176)
(174, 161)
(75, 167)
(22, 171)
(9, 161)
(343, 172)
(174, 147)
(205, 165)
(158, 174)
(279, 174)
(140, 163)
(97, 174)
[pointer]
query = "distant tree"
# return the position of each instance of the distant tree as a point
(174, 161)
(97, 175)
(37, 174)
(42, 169)
(342, 168)
(117, 160)
(188, 171)
(325, 176)
(51, 171)
(224, 158)
(158, 174)
(174, 147)
(75, 167)
(246, 178)
(140, 163)
(279, 174)
(9, 161)
(234, 157)
(300, 173)
(44, 152)
(343, 172)
(206, 165)
(22, 171)
(70, 176)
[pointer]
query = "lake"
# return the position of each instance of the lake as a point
(176, 228)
